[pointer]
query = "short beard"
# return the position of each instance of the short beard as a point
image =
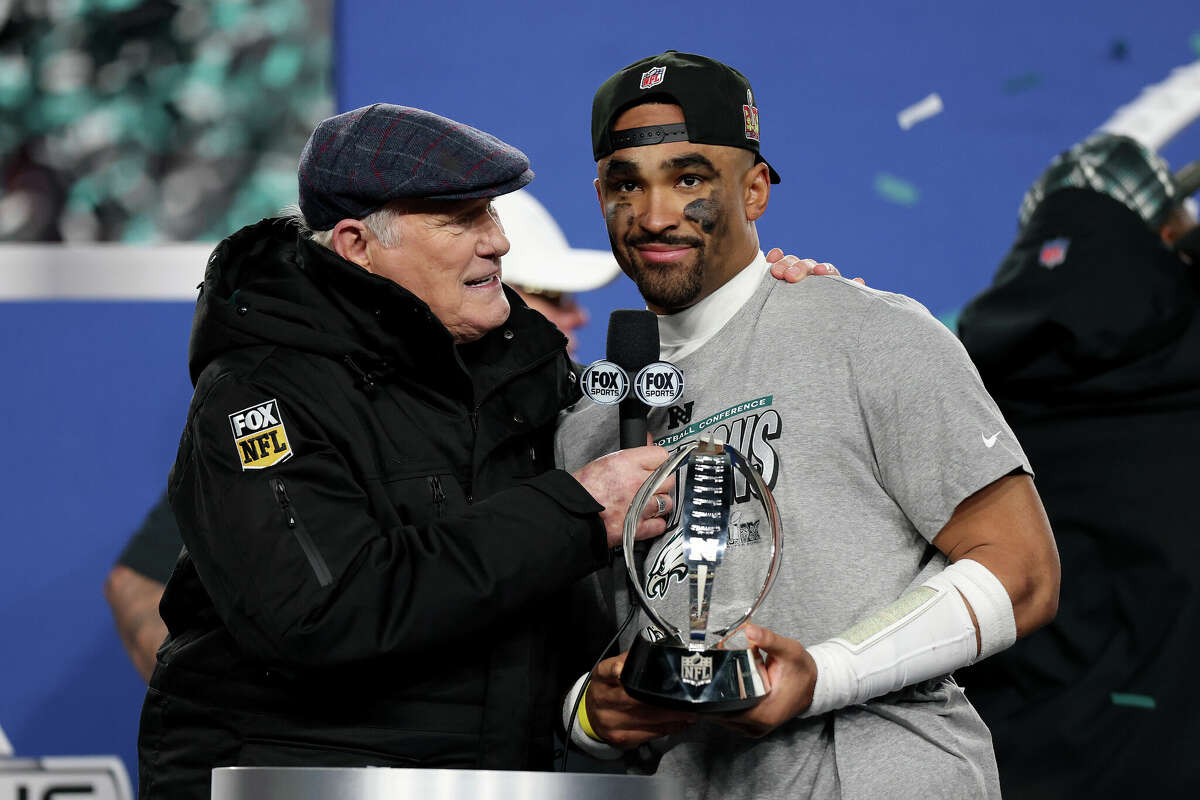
(668, 288)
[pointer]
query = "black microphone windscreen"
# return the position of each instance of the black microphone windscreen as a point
(632, 339)
(632, 344)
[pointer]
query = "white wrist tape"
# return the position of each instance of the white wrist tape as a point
(924, 634)
(578, 738)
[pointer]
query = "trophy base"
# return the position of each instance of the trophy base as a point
(704, 681)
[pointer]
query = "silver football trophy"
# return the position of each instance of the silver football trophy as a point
(725, 540)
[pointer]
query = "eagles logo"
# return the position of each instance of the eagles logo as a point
(668, 563)
(653, 634)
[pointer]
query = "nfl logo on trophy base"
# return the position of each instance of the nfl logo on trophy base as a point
(697, 670)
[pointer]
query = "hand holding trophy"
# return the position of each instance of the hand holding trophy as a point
(695, 671)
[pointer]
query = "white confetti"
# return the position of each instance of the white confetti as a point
(917, 112)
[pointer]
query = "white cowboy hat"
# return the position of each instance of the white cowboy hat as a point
(540, 257)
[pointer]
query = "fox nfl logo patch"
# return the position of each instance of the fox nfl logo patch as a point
(259, 436)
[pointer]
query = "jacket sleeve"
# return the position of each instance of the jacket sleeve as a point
(299, 570)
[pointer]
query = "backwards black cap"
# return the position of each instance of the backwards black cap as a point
(717, 102)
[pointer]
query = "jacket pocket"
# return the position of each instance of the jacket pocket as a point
(291, 518)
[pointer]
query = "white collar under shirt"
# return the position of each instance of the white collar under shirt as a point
(685, 331)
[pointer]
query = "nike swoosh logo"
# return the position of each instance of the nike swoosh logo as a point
(989, 441)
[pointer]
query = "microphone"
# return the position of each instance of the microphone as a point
(632, 344)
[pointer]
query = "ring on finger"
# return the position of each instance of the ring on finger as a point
(662, 506)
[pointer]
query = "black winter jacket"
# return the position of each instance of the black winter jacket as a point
(377, 542)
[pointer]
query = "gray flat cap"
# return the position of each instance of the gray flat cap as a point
(358, 161)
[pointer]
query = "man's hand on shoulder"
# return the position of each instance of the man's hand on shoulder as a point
(794, 269)
(622, 721)
(792, 674)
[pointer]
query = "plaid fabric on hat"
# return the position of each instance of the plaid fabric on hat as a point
(356, 162)
(1116, 166)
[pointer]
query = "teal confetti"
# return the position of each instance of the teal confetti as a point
(1195, 43)
(896, 190)
(950, 319)
(1133, 700)
(1022, 83)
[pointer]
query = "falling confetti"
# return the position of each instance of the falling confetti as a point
(896, 190)
(923, 110)
(1133, 700)
(950, 319)
(1022, 83)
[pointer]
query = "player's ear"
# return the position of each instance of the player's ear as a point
(599, 194)
(756, 190)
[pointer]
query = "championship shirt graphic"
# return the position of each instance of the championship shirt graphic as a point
(259, 435)
(751, 427)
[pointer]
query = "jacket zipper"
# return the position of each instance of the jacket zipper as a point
(319, 567)
(439, 495)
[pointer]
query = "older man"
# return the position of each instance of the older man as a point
(375, 534)
(915, 543)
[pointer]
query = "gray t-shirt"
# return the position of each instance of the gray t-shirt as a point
(870, 424)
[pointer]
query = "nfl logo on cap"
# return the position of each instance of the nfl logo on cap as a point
(652, 77)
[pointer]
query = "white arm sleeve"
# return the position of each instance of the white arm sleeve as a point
(926, 633)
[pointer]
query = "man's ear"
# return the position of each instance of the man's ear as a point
(756, 191)
(600, 197)
(350, 242)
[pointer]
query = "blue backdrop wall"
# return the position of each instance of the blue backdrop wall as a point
(95, 392)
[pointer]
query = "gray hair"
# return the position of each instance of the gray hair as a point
(381, 222)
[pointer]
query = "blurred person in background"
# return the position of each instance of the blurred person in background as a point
(1089, 340)
(544, 269)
